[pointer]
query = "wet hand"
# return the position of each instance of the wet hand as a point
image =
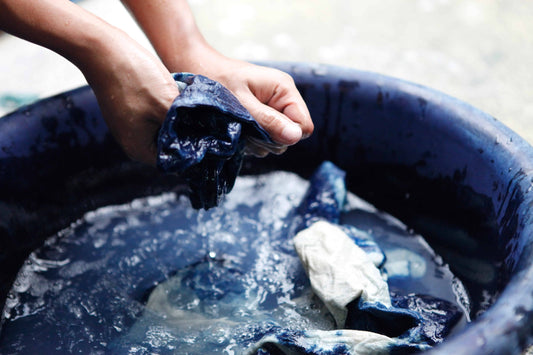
(272, 99)
(270, 96)
(134, 92)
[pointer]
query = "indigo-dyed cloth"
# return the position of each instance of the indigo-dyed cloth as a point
(325, 200)
(325, 197)
(252, 295)
(203, 138)
(411, 323)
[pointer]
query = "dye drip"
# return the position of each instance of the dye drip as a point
(157, 276)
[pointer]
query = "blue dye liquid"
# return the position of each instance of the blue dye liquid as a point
(156, 275)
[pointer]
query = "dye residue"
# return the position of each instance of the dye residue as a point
(156, 276)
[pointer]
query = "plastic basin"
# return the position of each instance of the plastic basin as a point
(448, 170)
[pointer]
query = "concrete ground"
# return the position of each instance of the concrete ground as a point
(478, 51)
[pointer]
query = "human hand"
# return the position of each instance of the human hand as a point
(134, 92)
(272, 99)
(133, 88)
(270, 96)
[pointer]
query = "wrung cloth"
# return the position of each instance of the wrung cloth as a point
(203, 138)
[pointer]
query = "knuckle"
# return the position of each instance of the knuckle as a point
(283, 76)
(271, 120)
(288, 78)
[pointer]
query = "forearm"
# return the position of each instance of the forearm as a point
(172, 30)
(133, 88)
(58, 25)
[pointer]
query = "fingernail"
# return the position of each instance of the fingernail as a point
(291, 133)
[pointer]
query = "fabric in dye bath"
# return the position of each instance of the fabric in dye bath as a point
(325, 200)
(203, 138)
(156, 276)
(373, 319)
(351, 286)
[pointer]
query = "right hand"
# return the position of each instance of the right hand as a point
(134, 92)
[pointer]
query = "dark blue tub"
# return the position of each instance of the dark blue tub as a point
(427, 158)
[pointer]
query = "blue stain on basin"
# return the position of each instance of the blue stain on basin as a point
(425, 157)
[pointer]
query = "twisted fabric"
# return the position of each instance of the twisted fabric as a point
(203, 138)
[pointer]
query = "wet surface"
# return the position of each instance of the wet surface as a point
(101, 271)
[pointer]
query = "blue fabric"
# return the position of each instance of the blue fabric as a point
(203, 138)
(325, 200)
(325, 197)
(416, 320)
(435, 317)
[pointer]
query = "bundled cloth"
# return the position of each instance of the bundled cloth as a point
(203, 138)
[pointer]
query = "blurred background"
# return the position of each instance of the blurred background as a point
(478, 51)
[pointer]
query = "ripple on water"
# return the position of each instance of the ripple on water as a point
(154, 274)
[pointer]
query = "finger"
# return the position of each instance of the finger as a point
(285, 98)
(298, 112)
(272, 146)
(257, 147)
(262, 152)
(281, 129)
(150, 156)
(256, 151)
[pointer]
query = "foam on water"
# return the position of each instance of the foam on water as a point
(156, 275)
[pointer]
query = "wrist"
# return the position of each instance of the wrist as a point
(197, 58)
(97, 50)
(172, 30)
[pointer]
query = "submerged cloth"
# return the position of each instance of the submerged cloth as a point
(347, 279)
(347, 310)
(338, 269)
(203, 138)
(354, 291)
(325, 200)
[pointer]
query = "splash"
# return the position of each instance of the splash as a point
(155, 275)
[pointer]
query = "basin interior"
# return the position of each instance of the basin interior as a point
(448, 171)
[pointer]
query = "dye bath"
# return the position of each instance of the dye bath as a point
(109, 283)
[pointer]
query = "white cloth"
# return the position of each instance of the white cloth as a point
(339, 271)
(355, 342)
